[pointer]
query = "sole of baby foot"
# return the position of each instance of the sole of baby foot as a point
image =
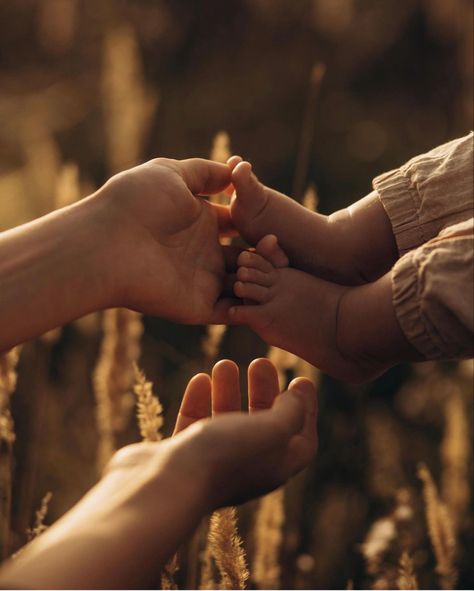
(299, 314)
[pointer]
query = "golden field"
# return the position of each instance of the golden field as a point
(320, 95)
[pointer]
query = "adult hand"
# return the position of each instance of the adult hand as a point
(264, 448)
(163, 240)
(144, 240)
(154, 494)
(247, 455)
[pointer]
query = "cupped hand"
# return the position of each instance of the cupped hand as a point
(233, 456)
(163, 254)
(245, 455)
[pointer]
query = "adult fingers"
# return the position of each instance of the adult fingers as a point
(224, 220)
(263, 386)
(233, 161)
(196, 402)
(225, 387)
(204, 177)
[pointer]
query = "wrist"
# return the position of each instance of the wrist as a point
(143, 506)
(87, 226)
(52, 271)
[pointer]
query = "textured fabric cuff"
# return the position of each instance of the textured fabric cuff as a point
(408, 306)
(401, 202)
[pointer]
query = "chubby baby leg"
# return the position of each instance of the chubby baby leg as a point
(291, 310)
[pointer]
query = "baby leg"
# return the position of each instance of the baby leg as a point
(292, 310)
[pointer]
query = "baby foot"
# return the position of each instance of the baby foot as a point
(257, 210)
(291, 309)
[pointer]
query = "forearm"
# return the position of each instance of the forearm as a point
(119, 536)
(368, 332)
(52, 270)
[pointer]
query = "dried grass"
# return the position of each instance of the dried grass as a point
(406, 573)
(169, 572)
(307, 130)
(440, 529)
(268, 538)
(8, 381)
(286, 362)
(226, 549)
(207, 569)
(113, 376)
(128, 103)
(149, 409)
(456, 456)
(310, 198)
(39, 526)
(212, 341)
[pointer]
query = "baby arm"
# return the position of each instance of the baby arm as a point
(350, 247)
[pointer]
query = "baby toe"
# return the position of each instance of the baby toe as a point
(251, 291)
(249, 191)
(254, 260)
(269, 248)
(252, 275)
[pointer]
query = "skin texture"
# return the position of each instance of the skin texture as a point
(336, 247)
(145, 240)
(144, 507)
(323, 322)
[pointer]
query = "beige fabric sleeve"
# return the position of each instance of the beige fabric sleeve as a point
(433, 294)
(429, 193)
(430, 203)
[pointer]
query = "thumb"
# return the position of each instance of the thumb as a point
(204, 176)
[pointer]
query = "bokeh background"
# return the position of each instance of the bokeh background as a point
(315, 93)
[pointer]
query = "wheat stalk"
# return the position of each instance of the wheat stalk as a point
(39, 526)
(149, 409)
(113, 376)
(307, 130)
(406, 573)
(440, 529)
(128, 103)
(207, 569)
(455, 455)
(168, 573)
(268, 531)
(377, 542)
(220, 152)
(150, 422)
(40, 515)
(310, 198)
(8, 380)
(212, 340)
(226, 548)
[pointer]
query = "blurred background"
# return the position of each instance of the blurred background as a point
(321, 96)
